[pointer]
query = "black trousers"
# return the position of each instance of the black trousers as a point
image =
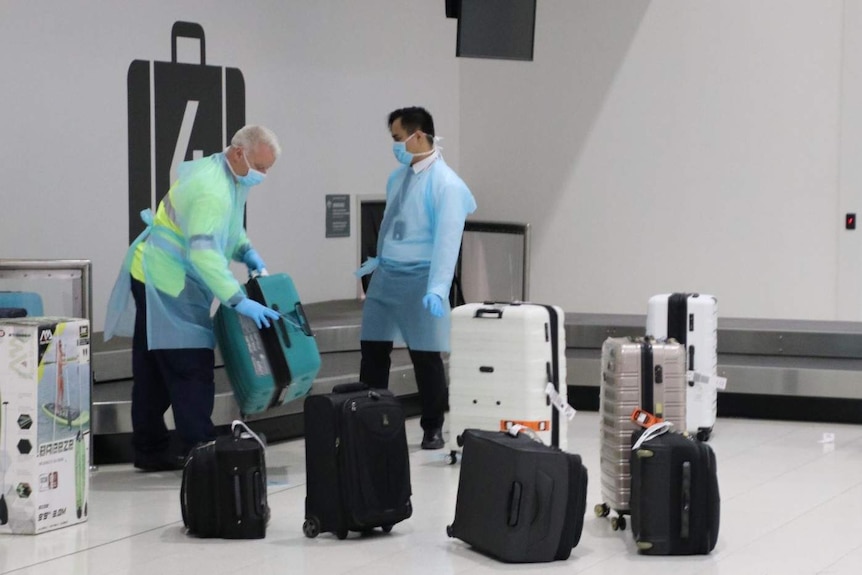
(179, 378)
(430, 378)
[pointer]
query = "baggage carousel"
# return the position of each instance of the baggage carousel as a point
(783, 369)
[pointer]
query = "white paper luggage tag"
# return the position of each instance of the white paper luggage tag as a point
(714, 380)
(248, 433)
(557, 401)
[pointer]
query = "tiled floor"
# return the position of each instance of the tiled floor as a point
(791, 504)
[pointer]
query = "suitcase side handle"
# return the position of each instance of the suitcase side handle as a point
(514, 504)
(303, 320)
(487, 311)
(685, 519)
(237, 497)
(187, 30)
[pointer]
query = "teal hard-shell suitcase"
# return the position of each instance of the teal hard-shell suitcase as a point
(271, 366)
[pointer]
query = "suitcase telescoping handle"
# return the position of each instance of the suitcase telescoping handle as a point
(187, 30)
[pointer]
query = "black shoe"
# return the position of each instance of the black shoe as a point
(433, 439)
(151, 462)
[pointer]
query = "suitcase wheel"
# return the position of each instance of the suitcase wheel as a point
(602, 510)
(386, 528)
(311, 527)
(453, 457)
(618, 523)
(341, 534)
(449, 531)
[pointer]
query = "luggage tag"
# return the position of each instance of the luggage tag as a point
(558, 402)
(245, 432)
(714, 380)
(651, 433)
(644, 418)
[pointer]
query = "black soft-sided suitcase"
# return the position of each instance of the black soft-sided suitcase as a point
(675, 503)
(518, 499)
(356, 460)
(223, 492)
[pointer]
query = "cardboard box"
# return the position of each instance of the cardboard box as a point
(44, 423)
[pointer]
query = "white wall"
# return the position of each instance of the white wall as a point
(674, 145)
(654, 145)
(323, 74)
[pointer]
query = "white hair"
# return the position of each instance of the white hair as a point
(248, 137)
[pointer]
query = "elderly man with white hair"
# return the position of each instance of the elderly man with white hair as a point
(173, 270)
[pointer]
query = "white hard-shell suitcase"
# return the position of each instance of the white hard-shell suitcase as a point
(508, 366)
(692, 319)
(636, 372)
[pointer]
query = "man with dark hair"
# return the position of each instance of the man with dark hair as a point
(417, 249)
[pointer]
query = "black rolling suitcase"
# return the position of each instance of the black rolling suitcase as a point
(223, 492)
(356, 460)
(675, 502)
(518, 499)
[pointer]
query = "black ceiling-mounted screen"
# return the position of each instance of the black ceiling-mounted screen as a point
(501, 29)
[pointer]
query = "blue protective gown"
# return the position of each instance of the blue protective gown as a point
(182, 257)
(418, 247)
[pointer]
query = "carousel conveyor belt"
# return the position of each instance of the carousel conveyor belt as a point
(765, 362)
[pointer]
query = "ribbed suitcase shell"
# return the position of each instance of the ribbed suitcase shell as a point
(257, 380)
(700, 336)
(499, 368)
(621, 391)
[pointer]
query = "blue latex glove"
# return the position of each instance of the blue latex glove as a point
(259, 313)
(253, 261)
(433, 303)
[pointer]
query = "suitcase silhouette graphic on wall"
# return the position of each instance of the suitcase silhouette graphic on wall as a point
(186, 119)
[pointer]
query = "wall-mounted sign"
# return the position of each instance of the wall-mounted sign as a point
(338, 215)
(190, 117)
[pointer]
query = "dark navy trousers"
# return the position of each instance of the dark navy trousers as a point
(430, 378)
(182, 379)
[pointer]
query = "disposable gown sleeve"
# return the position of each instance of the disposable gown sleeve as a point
(208, 219)
(452, 202)
(242, 246)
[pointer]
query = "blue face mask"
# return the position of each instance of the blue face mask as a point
(253, 177)
(400, 151)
